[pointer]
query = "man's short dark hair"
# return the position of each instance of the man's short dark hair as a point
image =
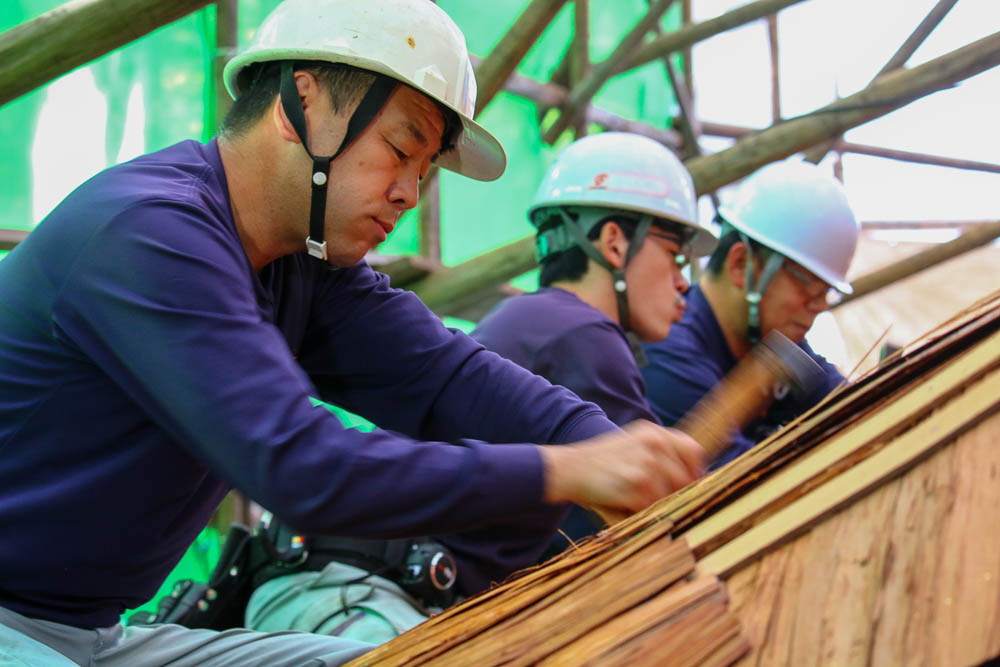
(347, 86)
(570, 265)
(731, 236)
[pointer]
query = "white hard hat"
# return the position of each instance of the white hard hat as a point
(800, 211)
(624, 171)
(412, 41)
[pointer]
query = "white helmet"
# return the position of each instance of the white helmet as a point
(412, 41)
(619, 170)
(798, 210)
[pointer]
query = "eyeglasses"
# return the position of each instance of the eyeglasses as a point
(813, 287)
(681, 258)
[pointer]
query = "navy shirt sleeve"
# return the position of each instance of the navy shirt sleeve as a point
(380, 353)
(186, 341)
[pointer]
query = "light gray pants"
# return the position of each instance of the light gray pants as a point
(338, 600)
(36, 643)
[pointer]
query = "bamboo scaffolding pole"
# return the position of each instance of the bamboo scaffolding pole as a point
(448, 285)
(898, 59)
(551, 95)
(579, 55)
(686, 52)
(696, 32)
(492, 72)
(971, 238)
(772, 43)
(738, 132)
(60, 40)
(429, 217)
(919, 158)
(581, 95)
(11, 237)
(872, 225)
(226, 43)
(889, 92)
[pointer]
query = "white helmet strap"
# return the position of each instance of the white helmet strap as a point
(755, 289)
(371, 104)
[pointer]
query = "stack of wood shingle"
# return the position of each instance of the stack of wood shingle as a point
(865, 532)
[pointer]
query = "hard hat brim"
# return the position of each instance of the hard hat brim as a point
(836, 282)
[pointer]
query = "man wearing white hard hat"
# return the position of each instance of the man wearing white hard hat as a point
(617, 220)
(164, 328)
(787, 240)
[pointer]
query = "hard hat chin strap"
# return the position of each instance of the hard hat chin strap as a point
(370, 106)
(756, 291)
(617, 274)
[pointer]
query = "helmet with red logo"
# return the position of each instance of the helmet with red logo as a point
(623, 172)
(624, 176)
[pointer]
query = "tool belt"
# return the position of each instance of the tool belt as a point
(422, 567)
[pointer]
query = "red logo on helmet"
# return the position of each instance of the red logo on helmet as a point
(629, 183)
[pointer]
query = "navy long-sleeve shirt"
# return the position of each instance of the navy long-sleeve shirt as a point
(695, 356)
(567, 341)
(146, 368)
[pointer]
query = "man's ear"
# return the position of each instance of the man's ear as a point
(613, 244)
(736, 264)
(308, 88)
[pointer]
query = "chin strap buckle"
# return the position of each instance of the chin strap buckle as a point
(316, 249)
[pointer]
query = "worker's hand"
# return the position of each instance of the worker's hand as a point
(624, 471)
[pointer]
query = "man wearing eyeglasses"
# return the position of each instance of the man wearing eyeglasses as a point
(616, 218)
(786, 243)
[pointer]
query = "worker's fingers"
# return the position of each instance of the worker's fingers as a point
(671, 444)
(623, 470)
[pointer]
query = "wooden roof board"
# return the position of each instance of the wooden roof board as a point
(886, 558)
(912, 306)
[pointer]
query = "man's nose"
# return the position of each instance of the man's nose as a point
(405, 192)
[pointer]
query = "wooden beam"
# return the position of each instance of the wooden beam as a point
(737, 132)
(443, 287)
(581, 95)
(886, 94)
(551, 95)
(11, 237)
(508, 53)
(226, 44)
(686, 54)
(972, 238)
(60, 40)
(872, 225)
(402, 270)
(919, 158)
(685, 37)
(772, 42)
(429, 216)
(579, 61)
(898, 59)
